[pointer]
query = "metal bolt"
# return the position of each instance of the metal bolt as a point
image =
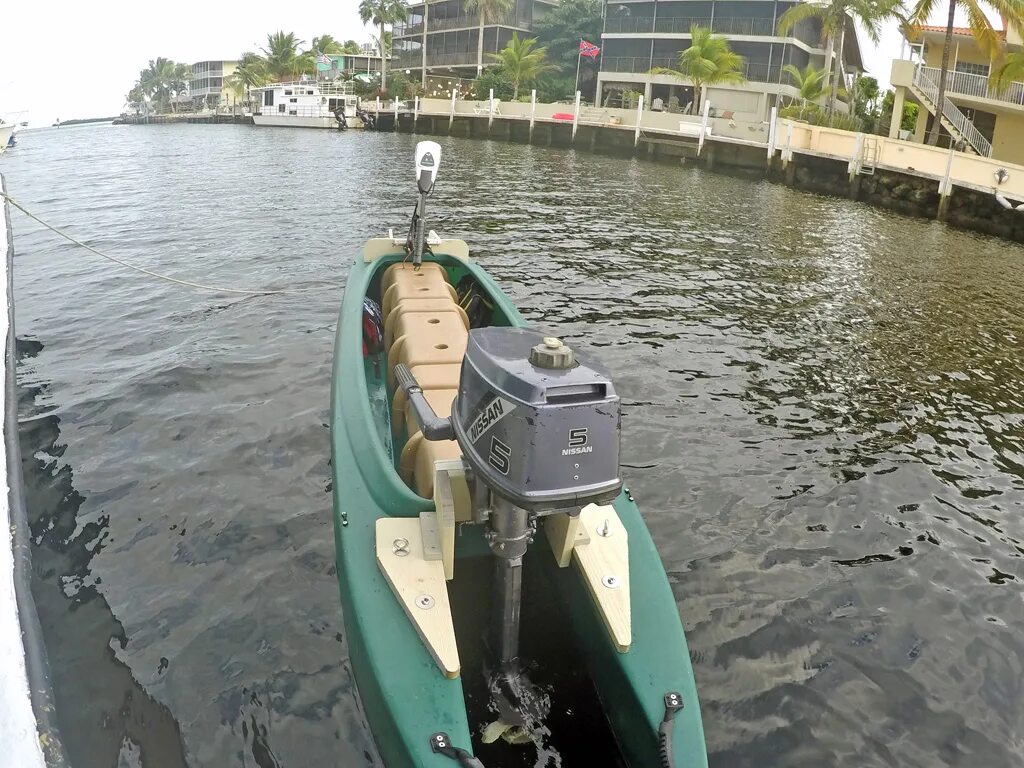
(400, 547)
(612, 582)
(426, 602)
(605, 530)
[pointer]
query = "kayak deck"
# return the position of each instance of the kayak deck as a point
(605, 702)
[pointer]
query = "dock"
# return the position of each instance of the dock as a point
(27, 719)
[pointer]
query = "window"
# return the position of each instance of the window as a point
(268, 98)
(293, 101)
(287, 93)
(280, 108)
(309, 93)
(972, 69)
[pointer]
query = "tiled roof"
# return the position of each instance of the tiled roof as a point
(965, 31)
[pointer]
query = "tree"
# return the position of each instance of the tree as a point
(1011, 68)
(988, 39)
(486, 9)
(281, 56)
(494, 79)
(707, 61)
(250, 72)
(522, 61)
(326, 44)
(560, 31)
(834, 15)
(907, 120)
(382, 13)
(351, 47)
(810, 82)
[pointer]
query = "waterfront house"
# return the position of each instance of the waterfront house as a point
(438, 40)
(349, 66)
(640, 35)
(208, 89)
(980, 117)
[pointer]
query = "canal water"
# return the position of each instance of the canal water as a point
(823, 423)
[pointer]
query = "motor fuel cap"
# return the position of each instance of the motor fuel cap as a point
(553, 354)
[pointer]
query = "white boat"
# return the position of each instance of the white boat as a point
(307, 104)
(6, 131)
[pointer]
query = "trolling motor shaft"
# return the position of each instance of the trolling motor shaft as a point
(428, 159)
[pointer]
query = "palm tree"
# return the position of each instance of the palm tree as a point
(1010, 69)
(282, 55)
(833, 15)
(707, 61)
(326, 44)
(250, 72)
(156, 79)
(810, 82)
(486, 9)
(522, 61)
(988, 39)
(382, 13)
(351, 47)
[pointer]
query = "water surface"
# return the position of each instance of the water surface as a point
(824, 426)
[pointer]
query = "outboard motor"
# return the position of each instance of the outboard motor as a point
(539, 434)
(538, 429)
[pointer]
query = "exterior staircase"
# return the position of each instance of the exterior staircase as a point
(952, 119)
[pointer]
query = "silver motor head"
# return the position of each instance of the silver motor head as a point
(428, 160)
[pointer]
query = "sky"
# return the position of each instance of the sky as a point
(71, 59)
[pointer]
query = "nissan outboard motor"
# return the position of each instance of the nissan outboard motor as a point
(538, 429)
(539, 434)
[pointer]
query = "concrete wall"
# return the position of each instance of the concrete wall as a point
(1008, 138)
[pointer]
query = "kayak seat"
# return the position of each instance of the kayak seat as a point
(404, 267)
(429, 377)
(432, 286)
(439, 326)
(441, 343)
(416, 464)
(419, 305)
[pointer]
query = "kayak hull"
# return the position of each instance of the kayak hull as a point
(405, 697)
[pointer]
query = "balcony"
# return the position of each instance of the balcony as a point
(753, 71)
(732, 27)
(467, 21)
(460, 58)
(977, 86)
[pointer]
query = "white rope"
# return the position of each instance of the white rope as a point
(143, 270)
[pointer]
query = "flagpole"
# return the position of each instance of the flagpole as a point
(579, 58)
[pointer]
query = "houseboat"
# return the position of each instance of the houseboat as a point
(307, 104)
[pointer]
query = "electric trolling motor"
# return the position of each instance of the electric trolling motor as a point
(539, 433)
(428, 161)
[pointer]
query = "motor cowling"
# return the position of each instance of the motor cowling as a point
(537, 426)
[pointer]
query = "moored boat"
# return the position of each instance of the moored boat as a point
(504, 602)
(309, 104)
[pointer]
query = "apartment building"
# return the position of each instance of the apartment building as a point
(440, 38)
(208, 87)
(640, 35)
(979, 116)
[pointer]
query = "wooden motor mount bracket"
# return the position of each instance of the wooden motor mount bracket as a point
(597, 541)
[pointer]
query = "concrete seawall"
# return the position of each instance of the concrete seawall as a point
(932, 182)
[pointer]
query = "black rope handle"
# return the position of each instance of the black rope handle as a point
(673, 703)
(441, 744)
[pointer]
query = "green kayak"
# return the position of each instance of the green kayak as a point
(452, 505)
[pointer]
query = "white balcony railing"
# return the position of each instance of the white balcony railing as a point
(957, 119)
(977, 86)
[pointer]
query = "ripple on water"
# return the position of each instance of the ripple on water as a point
(823, 422)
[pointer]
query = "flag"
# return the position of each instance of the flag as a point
(323, 58)
(589, 49)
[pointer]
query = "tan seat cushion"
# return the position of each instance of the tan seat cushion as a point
(406, 267)
(440, 344)
(416, 465)
(432, 287)
(419, 305)
(429, 377)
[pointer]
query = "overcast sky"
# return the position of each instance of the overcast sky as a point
(68, 59)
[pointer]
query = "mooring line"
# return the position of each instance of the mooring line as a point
(143, 270)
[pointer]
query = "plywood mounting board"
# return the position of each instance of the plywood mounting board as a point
(604, 564)
(420, 586)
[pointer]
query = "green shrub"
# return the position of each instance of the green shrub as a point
(815, 115)
(494, 78)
